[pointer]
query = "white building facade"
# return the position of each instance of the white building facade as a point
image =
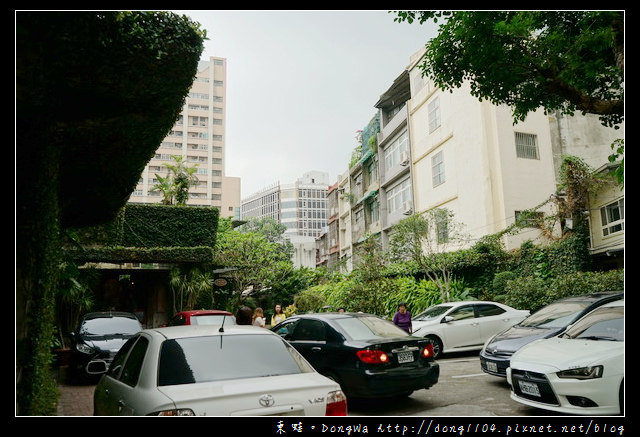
(300, 206)
(469, 157)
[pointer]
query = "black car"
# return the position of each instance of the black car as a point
(547, 322)
(96, 340)
(367, 355)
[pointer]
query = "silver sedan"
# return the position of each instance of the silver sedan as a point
(214, 371)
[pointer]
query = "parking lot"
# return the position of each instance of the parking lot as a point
(463, 390)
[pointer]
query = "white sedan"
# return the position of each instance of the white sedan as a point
(214, 371)
(465, 325)
(578, 372)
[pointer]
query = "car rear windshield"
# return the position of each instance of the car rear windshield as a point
(221, 357)
(367, 328)
(555, 315)
(213, 319)
(110, 326)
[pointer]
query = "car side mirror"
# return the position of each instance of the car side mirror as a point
(446, 319)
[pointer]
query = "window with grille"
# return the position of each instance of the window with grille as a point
(527, 146)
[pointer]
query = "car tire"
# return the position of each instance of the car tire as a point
(437, 345)
(621, 397)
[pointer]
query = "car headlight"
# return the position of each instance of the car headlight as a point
(81, 347)
(590, 372)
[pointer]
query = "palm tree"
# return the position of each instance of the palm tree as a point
(175, 185)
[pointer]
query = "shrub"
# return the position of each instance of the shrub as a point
(500, 281)
(533, 293)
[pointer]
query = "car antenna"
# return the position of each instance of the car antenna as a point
(224, 317)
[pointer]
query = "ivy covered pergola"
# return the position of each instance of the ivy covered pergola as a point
(96, 92)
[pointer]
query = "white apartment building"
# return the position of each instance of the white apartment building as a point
(199, 137)
(469, 157)
(300, 206)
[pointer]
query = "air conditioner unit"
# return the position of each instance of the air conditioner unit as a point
(404, 158)
(407, 207)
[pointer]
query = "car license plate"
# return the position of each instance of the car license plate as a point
(405, 357)
(529, 388)
(492, 367)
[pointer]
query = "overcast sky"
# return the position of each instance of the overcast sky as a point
(301, 83)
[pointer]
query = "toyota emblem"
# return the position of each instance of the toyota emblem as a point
(266, 400)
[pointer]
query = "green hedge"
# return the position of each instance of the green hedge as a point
(533, 292)
(150, 233)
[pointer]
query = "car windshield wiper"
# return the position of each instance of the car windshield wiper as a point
(598, 337)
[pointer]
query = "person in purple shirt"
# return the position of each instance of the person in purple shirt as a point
(403, 318)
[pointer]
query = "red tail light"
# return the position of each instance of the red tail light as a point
(336, 404)
(427, 351)
(373, 356)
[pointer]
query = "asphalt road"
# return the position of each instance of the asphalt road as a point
(463, 389)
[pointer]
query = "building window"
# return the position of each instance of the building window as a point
(397, 152)
(526, 146)
(374, 211)
(437, 169)
(372, 170)
(398, 195)
(434, 114)
(217, 83)
(442, 231)
(199, 96)
(612, 217)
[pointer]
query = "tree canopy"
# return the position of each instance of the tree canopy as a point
(559, 60)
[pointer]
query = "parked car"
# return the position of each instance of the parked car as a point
(578, 372)
(202, 317)
(547, 322)
(464, 326)
(96, 340)
(368, 356)
(208, 371)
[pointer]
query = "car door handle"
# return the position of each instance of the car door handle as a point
(316, 349)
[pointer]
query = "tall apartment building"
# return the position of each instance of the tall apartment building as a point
(199, 137)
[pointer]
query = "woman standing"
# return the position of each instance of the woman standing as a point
(258, 318)
(278, 316)
(403, 318)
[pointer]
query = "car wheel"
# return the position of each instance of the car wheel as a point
(621, 397)
(437, 345)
